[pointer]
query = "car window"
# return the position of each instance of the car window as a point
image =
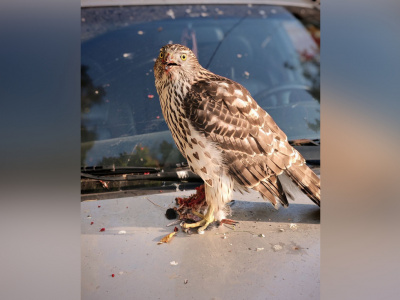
(264, 48)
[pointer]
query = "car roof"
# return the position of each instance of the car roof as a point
(94, 3)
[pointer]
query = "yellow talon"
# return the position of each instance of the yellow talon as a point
(207, 220)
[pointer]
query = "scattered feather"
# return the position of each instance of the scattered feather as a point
(104, 184)
(166, 238)
(176, 222)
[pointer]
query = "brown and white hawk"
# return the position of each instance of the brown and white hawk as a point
(227, 138)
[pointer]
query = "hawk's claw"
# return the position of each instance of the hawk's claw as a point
(228, 221)
(207, 220)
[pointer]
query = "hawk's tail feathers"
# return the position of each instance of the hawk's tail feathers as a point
(301, 176)
(272, 190)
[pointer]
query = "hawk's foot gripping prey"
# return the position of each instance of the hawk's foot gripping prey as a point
(207, 219)
(192, 206)
(226, 137)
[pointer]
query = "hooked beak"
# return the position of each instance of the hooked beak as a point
(169, 62)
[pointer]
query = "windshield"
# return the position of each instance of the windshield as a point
(264, 48)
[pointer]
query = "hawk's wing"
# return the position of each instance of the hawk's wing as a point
(254, 148)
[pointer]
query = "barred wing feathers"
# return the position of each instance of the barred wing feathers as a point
(255, 150)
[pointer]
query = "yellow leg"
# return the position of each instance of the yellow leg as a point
(196, 213)
(207, 220)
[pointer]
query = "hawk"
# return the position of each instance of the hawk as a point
(226, 137)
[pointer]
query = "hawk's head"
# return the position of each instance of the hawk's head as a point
(175, 62)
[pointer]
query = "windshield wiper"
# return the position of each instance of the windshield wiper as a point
(113, 170)
(137, 173)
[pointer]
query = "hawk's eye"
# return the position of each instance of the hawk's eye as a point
(161, 55)
(183, 56)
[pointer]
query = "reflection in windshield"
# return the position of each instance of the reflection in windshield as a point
(264, 48)
(90, 95)
(143, 156)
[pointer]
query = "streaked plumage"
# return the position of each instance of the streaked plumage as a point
(228, 140)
